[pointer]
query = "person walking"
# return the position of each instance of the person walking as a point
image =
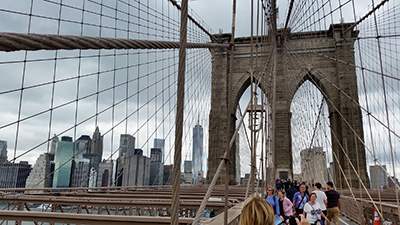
(273, 200)
(312, 210)
(322, 200)
(292, 190)
(333, 204)
(286, 208)
(300, 199)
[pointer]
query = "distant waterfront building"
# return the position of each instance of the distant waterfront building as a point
(53, 144)
(197, 152)
(41, 175)
(14, 175)
(80, 173)
(119, 173)
(83, 146)
(378, 176)
(3, 151)
(126, 143)
(92, 177)
(187, 172)
(136, 168)
(63, 162)
(104, 175)
(167, 175)
(96, 151)
(313, 165)
(156, 166)
(160, 143)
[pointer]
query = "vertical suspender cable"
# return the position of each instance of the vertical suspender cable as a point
(275, 52)
(179, 114)
(386, 106)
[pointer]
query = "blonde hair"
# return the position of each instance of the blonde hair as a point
(257, 212)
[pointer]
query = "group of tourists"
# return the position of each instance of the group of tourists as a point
(293, 204)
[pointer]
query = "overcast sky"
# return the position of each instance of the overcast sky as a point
(154, 74)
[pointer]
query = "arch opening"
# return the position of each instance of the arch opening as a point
(261, 129)
(311, 134)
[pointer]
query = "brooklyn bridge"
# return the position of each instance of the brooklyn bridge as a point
(196, 107)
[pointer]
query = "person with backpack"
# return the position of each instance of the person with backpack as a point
(300, 199)
(313, 211)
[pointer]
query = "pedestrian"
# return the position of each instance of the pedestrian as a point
(273, 200)
(321, 199)
(300, 199)
(256, 212)
(278, 184)
(333, 204)
(286, 208)
(313, 211)
(292, 190)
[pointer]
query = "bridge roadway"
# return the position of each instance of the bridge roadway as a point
(149, 205)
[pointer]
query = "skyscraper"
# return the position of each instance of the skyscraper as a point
(197, 153)
(167, 175)
(80, 173)
(136, 168)
(63, 162)
(3, 151)
(378, 176)
(104, 175)
(13, 175)
(187, 172)
(96, 151)
(155, 166)
(126, 143)
(160, 144)
(83, 146)
(41, 174)
(313, 165)
(92, 177)
(53, 144)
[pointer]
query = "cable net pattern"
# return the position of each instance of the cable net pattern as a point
(121, 91)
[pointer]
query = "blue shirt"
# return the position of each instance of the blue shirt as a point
(273, 201)
(299, 201)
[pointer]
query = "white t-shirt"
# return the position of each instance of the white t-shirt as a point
(313, 212)
(321, 198)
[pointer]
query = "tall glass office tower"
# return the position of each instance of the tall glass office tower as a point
(63, 162)
(197, 154)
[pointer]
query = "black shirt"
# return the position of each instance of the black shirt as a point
(281, 209)
(333, 198)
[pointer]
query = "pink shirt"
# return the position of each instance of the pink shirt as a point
(287, 207)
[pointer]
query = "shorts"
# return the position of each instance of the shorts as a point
(333, 214)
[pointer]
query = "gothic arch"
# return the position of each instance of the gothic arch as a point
(240, 86)
(342, 112)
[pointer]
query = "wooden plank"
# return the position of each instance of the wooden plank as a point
(72, 218)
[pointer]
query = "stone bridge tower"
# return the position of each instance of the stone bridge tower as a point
(314, 56)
